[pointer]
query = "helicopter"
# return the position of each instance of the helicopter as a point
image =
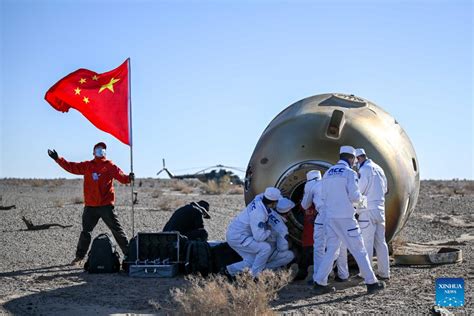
(216, 173)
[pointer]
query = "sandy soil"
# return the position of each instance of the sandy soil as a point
(35, 276)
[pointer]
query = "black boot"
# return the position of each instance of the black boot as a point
(338, 279)
(323, 289)
(301, 275)
(305, 261)
(223, 271)
(372, 288)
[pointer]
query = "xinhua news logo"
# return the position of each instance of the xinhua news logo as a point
(450, 292)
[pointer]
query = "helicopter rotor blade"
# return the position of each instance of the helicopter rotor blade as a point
(221, 166)
(167, 172)
(205, 169)
(233, 168)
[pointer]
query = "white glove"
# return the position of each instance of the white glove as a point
(361, 204)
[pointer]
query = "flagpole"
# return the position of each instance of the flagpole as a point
(131, 138)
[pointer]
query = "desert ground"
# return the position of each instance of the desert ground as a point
(36, 278)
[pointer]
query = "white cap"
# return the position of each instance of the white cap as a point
(347, 150)
(272, 194)
(360, 152)
(313, 174)
(284, 205)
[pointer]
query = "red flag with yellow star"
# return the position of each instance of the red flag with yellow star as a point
(101, 98)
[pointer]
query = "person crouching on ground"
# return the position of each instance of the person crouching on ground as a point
(188, 220)
(99, 196)
(248, 232)
(281, 254)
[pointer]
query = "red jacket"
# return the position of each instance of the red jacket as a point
(99, 174)
(308, 226)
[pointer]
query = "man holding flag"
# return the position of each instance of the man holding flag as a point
(104, 99)
(99, 196)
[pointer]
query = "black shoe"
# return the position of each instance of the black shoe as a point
(358, 277)
(323, 289)
(301, 275)
(382, 278)
(372, 288)
(223, 271)
(338, 279)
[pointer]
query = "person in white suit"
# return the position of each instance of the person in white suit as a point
(373, 184)
(248, 232)
(312, 196)
(339, 192)
(281, 254)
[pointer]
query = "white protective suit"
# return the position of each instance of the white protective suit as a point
(339, 192)
(373, 184)
(247, 235)
(280, 255)
(312, 195)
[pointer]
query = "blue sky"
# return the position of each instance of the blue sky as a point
(208, 76)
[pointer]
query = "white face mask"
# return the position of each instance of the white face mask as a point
(99, 152)
(354, 163)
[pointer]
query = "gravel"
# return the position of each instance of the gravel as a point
(36, 278)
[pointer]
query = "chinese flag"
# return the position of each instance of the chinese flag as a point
(101, 98)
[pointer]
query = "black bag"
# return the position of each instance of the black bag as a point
(102, 258)
(223, 255)
(198, 258)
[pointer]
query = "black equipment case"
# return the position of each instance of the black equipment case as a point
(156, 255)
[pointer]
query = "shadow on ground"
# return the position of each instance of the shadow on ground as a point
(65, 290)
(292, 295)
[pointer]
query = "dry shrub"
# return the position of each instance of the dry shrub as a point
(224, 186)
(214, 187)
(445, 190)
(157, 193)
(211, 187)
(58, 203)
(145, 182)
(193, 183)
(45, 182)
(77, 200)
(181, 186)
(36, 183)
(469, 187)
(57, 182)
(216, 296)
(169, 204)
(464, 187)
(453, 187)
(236, 190)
